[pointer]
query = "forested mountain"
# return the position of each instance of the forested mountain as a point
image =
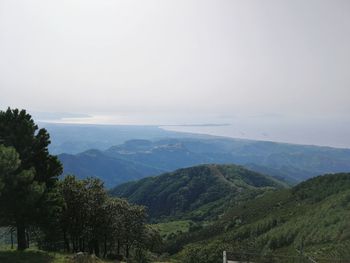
(140, 158)
(197, 193)
(313, 216)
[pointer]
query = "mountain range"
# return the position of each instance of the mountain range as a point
(136, 159)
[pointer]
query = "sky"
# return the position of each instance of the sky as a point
(272, 69)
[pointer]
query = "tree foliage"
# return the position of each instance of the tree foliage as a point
(92, 221)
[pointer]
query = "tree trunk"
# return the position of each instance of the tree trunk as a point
(81, 244)
(66, 241)
(105, 247)
(11, 237)
(27, 238)
(21, 237)
(97, 248)
(74, 241)
(127, 251)
(91, 247)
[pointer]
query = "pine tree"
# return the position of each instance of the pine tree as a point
(27, 195)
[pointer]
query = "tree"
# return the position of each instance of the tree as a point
(96, 199)
(84, 214)
(74, 213)
(93, 222)
(29, 187)
(134, 226)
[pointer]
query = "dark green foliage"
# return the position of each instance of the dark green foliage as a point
(18, 130)
(29, 185)
(196, 193)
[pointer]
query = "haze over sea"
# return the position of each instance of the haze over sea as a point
(266, 70)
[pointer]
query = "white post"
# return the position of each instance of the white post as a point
(224, 257)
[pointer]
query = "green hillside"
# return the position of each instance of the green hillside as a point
(313, 215)
(197, 193)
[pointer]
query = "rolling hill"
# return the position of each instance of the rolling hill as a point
(197, 193)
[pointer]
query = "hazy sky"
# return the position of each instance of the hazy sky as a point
(185, 61)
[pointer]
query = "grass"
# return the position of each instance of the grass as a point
(32, 256)
(38, 256)
(173, 227)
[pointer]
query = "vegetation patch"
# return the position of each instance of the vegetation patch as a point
(170, 229)
(37, 256)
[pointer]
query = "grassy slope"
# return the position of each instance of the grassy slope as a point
(169, 229)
